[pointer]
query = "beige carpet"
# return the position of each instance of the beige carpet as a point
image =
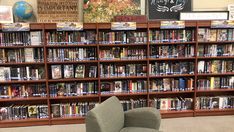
(190, 124)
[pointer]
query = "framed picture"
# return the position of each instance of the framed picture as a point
(6, 15)
(168, 9)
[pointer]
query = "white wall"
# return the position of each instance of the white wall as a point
(211, 5)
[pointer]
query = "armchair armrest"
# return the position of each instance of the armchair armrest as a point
(143, 117)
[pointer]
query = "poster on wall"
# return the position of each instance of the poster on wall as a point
(105, 10)
(58, 10)
(6, 15)
(168, 9)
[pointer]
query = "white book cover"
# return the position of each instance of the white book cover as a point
(35, 37)
(29, 54)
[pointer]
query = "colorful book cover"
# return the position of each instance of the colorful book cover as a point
(105, 10)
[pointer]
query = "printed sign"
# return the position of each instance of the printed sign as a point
(172, 24)
(15, 27)
(222, 24)
(123, 26)
(69, 26)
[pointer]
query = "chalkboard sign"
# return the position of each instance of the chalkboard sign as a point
(168, 9)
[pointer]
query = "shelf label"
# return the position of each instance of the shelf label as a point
(222, 24)
(172, 24)
(123, 26)
(16, 27)
(69, 26)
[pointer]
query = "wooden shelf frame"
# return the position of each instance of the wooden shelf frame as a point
(97, 27)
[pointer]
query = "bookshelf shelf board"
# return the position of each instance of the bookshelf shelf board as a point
(216, 42)
(215, 112)
(216, 74)
(172, 43)
(119, 78)
(22, 63)
(74, 97)
(73, 62)
(70, 45)
(179, 58)
(72, 79)
(68, 120)
(215, 90)
(218, 57)
(124, 60)
(122, 45)
(171, 92)
(170, 76)
(24, 81)
(176, 114)
(23, 99)
(17, 47)
(24, 122)
(124, 94)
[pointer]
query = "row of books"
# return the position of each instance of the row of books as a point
(23, 90)
(215, 83)
(171, 68)
(122, 37)
(172, 51)
(122, 53)
(20, 112)
(172, 84)
(71, 54)
(125, 86)
(21, 38)
(121, 70)
(133, 103)
(160, 36)
(74, 109)
(73, 89)
(216, 50)
(73, 71)
(207, 34)
(70, 37)
(216, 66)
(22, 73)
(218, 102)
(172, 104)
(21, 55)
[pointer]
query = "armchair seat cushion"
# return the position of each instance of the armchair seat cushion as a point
(138, 129)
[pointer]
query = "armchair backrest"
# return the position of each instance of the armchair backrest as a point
(106, 117)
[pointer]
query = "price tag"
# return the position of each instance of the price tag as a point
(70, 26)
(15, 27)
(123, 26)
(222, 24)
(172, 24)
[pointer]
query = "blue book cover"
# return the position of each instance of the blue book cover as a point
(182, 84)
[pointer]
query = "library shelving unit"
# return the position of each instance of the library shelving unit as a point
(170, 69)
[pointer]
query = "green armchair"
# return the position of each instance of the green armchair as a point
(110, 117)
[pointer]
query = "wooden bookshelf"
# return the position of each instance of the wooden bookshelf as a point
(99, 45)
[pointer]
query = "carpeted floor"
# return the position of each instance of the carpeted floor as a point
(189, 124)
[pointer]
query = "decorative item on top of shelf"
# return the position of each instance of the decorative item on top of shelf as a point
(172, 24)
(123, 26)
(16, 27)
(58, 11)
(6, 15)
(23, 12)
(168, 9)
(105, 10)
(69, 26)
(130, 18)
(222, 24)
